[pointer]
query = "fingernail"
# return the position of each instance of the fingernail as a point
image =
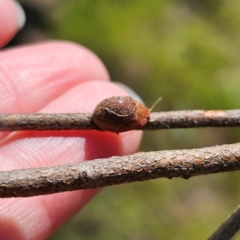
(21, 17)
(133, 94)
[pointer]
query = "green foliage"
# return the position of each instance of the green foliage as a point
(188, 53)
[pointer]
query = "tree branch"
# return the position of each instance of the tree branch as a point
(83, 121)
(193, 119)
(228, 228)
(116, 170)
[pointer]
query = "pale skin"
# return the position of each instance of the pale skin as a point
(50, 77)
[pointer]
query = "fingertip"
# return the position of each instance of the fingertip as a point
(20, 15)
(54, 65)
(12, 18)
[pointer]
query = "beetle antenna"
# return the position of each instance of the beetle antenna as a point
(156, 102)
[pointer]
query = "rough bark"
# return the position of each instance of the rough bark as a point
(116, 170)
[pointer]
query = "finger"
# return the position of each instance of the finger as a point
(27, 149)
(78, 99)
(32, 76)
(12, 18)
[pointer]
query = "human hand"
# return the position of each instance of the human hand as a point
(50, 77)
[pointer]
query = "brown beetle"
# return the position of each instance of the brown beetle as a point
(120, 114)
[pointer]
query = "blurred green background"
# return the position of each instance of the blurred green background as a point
(185, 51)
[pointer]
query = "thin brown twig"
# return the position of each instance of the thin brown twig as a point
(116, 170)
(83, 121)
(228, 228)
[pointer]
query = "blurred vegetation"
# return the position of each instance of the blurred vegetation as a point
(188, 53)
